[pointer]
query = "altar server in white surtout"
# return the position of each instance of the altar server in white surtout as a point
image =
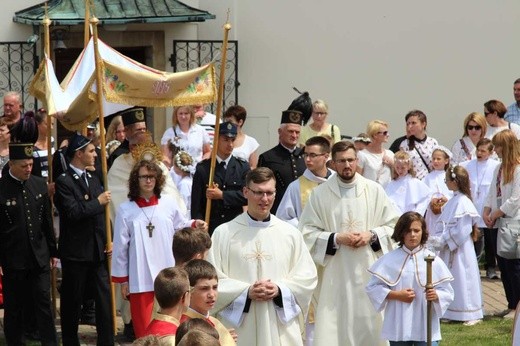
(266, 274)
(316, 154)
(347, 225)
(398, 285)
(143, 238)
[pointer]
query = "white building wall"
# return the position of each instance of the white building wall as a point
(367, 59)
(372, 59)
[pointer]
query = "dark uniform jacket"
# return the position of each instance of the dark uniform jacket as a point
(124, 148)
(286, 167)
(230, 181)
(82, 217)
(26, 234)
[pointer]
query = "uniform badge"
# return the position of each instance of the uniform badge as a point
(295, 117)
(229, 126)
(139, 115)
(28, 151)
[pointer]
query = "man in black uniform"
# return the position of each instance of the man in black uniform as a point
(81, 203)
(230, 173)
(135, 123)
(27, 246)
(286, 159)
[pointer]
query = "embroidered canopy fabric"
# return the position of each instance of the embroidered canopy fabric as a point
(125, 83)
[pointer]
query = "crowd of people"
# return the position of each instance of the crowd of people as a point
(316, 241)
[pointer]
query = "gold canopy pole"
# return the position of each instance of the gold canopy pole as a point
(429, 259)
(99, 86)
(47, 49)
(223, 61)
(86, 28)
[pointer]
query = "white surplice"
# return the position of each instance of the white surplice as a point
(435, 181)
(403, 269)
(409, 194)
(344, 314)
(458, 252)
(245, 251)
(290, 207)
(118, 176)
(135, 254)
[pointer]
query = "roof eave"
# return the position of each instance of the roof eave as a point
(140, 20)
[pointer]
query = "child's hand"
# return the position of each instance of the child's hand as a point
(431, 295)
(233, 333)
(406, 296)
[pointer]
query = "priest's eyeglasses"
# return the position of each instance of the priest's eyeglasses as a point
(146, 177)
(260, 194)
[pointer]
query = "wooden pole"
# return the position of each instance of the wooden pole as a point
(47, 49)
(108, 248)
(86, 25)
(223, 61)
(429, 259)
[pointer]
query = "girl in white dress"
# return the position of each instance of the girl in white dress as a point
(435, 181)
(182, 168)
(406, 191)
(398, 285)
(458, 227)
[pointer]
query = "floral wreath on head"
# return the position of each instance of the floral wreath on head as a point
(184, 161)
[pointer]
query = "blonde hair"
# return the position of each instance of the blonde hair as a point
(507, 140)
(112, 128)
(404, 157)
(479, 119)
(374, 127)
(175, 120)
(320, 105)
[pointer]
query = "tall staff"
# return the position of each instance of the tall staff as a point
(227, 27)
(47, 48)
(99, 86)
(429, 285)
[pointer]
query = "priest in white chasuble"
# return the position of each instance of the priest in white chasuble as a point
(143, 236)
(347, 225)
(266, 274)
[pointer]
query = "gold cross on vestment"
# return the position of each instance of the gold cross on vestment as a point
(351, 224)
(150, 229)
(259, 256)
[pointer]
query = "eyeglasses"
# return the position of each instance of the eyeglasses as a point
(385, 133)
(260, 194)
(146, 177)
(474, 127)
(320, 113)
(312, 155)
(344, 161)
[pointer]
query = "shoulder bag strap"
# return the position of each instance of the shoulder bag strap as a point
(423, 160)
(465, 148)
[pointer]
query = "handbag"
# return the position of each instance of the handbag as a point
(437, 202)
(508, 238)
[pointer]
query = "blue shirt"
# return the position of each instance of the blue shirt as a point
(513, 113)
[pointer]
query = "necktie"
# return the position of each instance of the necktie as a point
(84, 177)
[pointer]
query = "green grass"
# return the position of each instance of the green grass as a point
(493, 331)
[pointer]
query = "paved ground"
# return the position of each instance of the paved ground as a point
(494, 302)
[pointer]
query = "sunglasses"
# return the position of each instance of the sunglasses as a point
(384, 133)
(474, 127)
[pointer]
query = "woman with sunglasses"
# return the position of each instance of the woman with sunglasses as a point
(375, 162)
(464, 149)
